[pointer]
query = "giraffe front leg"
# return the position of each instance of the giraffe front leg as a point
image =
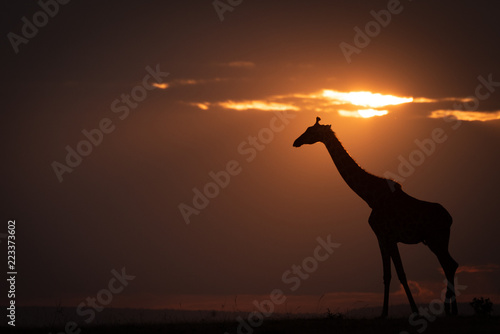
(386, 262)
(398, 264)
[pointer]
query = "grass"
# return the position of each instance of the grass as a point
(337, 325)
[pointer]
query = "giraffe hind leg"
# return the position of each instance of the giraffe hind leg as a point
(449, 266)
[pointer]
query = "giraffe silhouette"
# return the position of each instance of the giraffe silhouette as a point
(395, 217)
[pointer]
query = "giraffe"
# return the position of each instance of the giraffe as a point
(395, 217)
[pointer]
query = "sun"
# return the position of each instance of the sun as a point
(362, 113)
(365, 99)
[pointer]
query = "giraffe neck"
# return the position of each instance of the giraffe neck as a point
(372, 189)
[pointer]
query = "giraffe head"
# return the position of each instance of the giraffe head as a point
(313, 134)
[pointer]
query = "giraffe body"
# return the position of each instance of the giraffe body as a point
(403, 218)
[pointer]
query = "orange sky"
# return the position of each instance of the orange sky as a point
(180, 96)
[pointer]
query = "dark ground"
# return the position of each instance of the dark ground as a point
(294, 326)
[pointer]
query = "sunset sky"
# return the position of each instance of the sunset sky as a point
(179, 95)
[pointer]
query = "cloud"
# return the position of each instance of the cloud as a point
(484, 268)
(161, 85)
(257, 105)
(460, 114)
(321, 101)
(482, 116)
(357, 104)
(443, 99)
(201, 105)
(184, 82)
(245, 105)
(417, 290)
(188, 82)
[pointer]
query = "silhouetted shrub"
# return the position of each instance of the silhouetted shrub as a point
(334, 316)
(481, 306)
